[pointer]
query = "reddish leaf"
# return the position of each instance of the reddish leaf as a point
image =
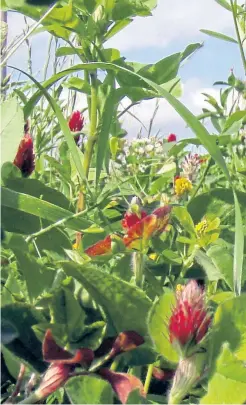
(126, 341)
(123, 384)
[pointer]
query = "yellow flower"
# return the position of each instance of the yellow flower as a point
(182, 185)
(179, 288)
(201, 227)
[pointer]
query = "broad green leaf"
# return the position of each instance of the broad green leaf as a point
(125, 305)
(158, 326)
(218, 35)
(41, 209)
(212, 272)
(26, 346)
(68, 50)
(12, 129)
(75, 83)
(184, 219)
(38, 278)
(65, 309)
(229, 324)
(228, 383)
(89, 390)
(162, 71)
(222, 258)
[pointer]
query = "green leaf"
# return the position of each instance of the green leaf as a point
(68, 50)
(224, 4)
(38, 278)
(238, 248)
(12, 129)
(234, 122)
(163, 71)
(229, 324)
(26, 346)
(228, 383)
(158, 326)
(184, 219)
(125, 305)
(218, 35)
(75, 83)
(89, 390)
(212, 272)
(63, 124)
(104, 129)
(41, 209)
(222, 258)
(66, 310)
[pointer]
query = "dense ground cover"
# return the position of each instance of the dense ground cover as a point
(123, 260)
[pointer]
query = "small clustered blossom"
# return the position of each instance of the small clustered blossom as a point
(190, 319)
(201, 227)
(191, 165)
(182, 185)
(140, 149)
(25, 158)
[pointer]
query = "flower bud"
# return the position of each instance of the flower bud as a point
(25, 158)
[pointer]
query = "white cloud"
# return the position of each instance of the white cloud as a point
(173, 20)
(167, 119)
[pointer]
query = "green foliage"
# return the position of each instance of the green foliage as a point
(58, 270)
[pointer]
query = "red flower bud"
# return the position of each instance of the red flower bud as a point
(100, 248)
(76, 121)
(25, 158)
(171, 138)
(190, 319)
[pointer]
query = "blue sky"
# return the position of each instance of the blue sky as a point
(174, 25)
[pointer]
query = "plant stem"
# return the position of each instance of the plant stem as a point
(201, 180)
(148, 378)
(58, 223)
(32, 399)
(234, 13)
(138, 267)
(14, 49)
(93, 126)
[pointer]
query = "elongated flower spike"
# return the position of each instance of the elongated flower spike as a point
(190, 319)
(25, 158)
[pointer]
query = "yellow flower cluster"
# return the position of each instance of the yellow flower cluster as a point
(201, 227)
(182, 185)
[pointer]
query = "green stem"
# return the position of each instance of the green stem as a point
(138, 266)
(93, 126)
(201, 182)
(35, 26)
(234, 13)
(148, 378)
(32, 399)
(59, 223)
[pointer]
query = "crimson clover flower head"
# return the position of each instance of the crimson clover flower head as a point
(190, 319)
(25, 158)
(76, 121)
(171, 138)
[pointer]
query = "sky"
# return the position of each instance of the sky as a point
(174, 24)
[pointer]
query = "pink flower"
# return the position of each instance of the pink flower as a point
(171, 138)
(25, 158)
(76, 121)
(190, 319)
